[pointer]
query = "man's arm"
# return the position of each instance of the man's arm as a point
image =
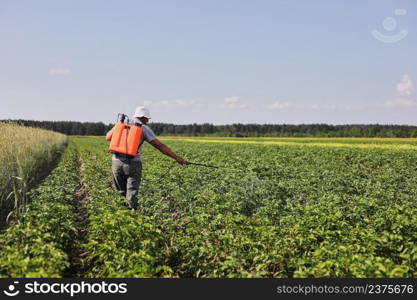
(167, 151)
(109, 135)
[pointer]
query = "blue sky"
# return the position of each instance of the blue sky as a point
(211, 61)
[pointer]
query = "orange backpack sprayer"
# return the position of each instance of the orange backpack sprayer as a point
(126, 137)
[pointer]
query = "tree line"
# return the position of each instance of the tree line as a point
(235, 130)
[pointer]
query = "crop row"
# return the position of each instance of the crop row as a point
(39, 243)
(119, 243)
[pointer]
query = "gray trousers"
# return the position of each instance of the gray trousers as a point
(126, 178)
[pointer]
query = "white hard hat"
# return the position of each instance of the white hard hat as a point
(142, 111)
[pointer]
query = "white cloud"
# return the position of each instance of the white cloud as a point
(171, 103)
(342, 106)
(59, 71)
(315, 106)
(232, 100)
(278, 105)
(400, 102)
(233, 103)
(405, 86)
(404, 90)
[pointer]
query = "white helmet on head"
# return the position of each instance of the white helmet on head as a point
(142, 111)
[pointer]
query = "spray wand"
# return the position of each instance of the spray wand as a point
(211, 166)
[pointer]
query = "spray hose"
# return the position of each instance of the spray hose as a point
(211, 166)
(204, 165)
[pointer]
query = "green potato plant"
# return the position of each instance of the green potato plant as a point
(38, 243)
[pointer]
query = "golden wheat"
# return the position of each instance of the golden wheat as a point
(25, 155)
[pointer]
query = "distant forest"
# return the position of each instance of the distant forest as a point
(235, 130)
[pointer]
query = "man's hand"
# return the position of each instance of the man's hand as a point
(181, 161)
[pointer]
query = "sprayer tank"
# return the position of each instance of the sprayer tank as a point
(126, 139)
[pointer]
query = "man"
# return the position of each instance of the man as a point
(127, 171)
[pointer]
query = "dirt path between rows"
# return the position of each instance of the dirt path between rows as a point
(78, 267)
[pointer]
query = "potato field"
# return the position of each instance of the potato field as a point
(279, 207)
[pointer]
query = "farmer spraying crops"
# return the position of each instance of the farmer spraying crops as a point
(126, 141)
